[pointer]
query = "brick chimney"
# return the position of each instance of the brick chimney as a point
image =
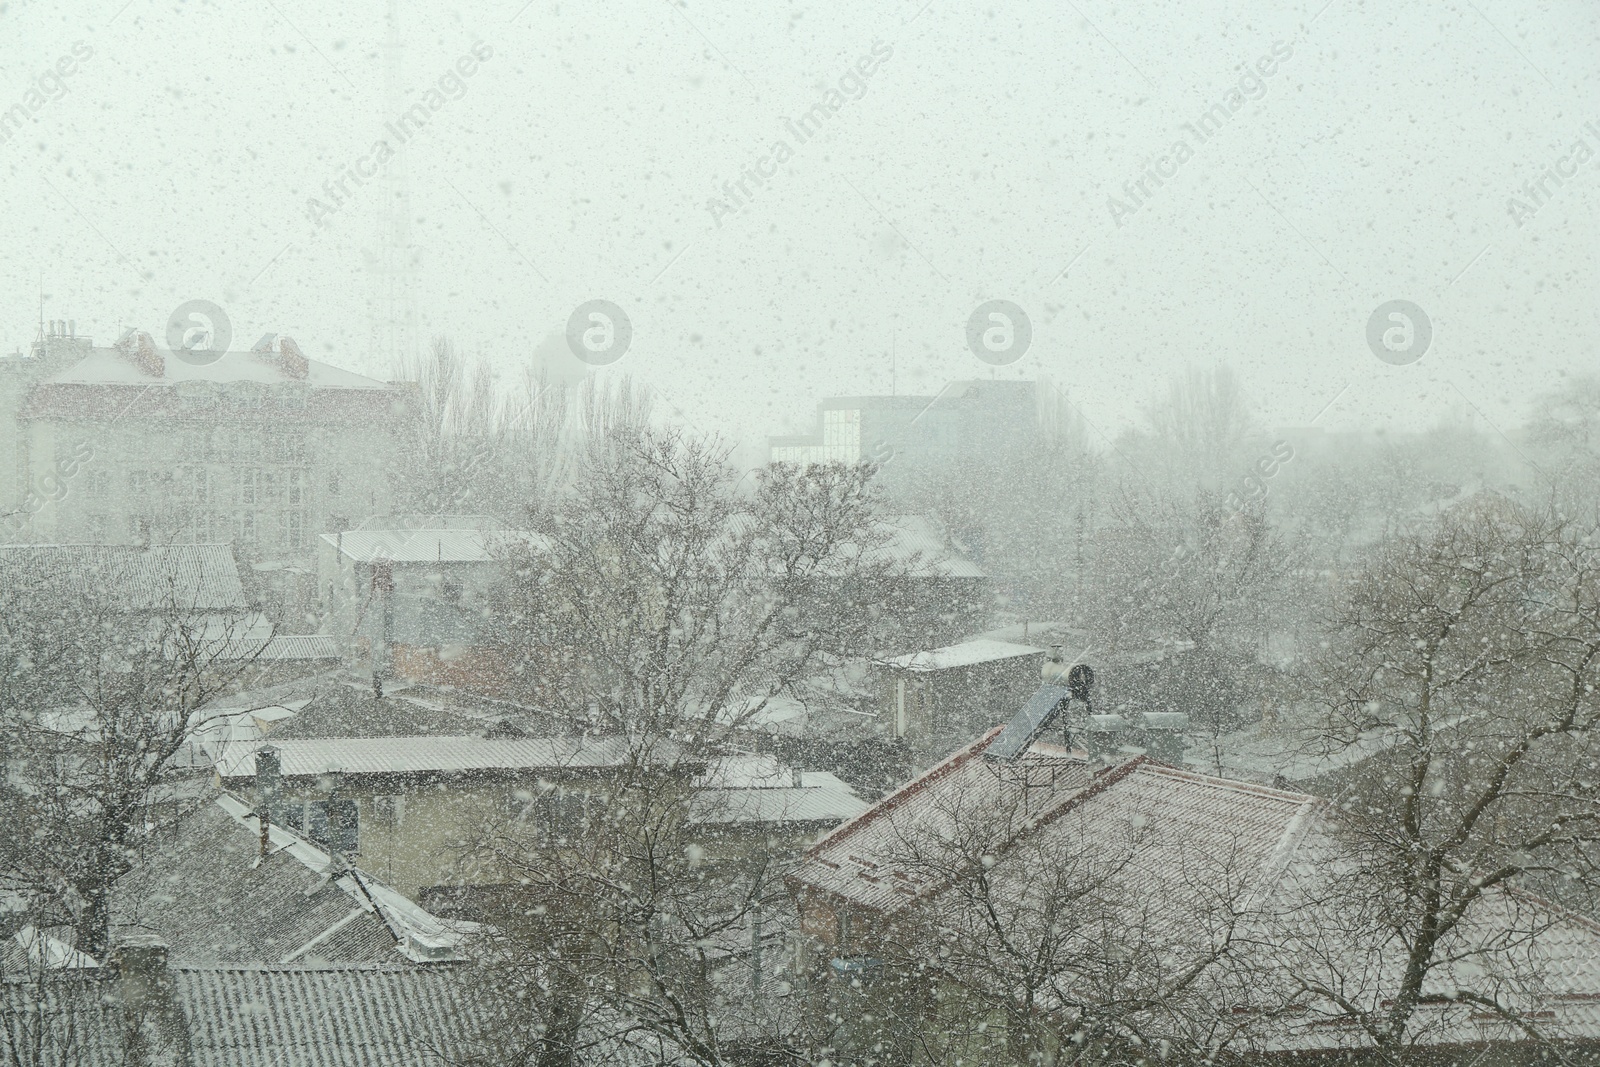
(292, 360)
(154, 1031)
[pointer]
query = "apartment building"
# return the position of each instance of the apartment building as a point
(131, 444)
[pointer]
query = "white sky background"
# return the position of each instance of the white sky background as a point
(1378, 165)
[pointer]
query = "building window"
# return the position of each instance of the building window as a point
(841, 435)
(559, 816)
(389, 811)
(294, 488)
(335, 824)
(292, 526)
(247, 486)
(245, 527)
(333, 483)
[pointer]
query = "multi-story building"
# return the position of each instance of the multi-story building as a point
(130, 444)
(910, 435)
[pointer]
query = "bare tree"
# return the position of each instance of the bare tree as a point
(664, 604)
(1181, 571)
(473, 444)
(1038, 933)
(1566, 427)
(100, 706)
(1463, 663)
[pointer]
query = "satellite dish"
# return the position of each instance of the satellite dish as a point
(1080, 679)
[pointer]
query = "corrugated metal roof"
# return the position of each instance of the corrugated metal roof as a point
(423, 546)
(292, 1016)
(966, 654)
(305, 1017)
(190, 577)
(280, 648)
(422, 755)
(819, 798)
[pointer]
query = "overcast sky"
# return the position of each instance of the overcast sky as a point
(580, 160)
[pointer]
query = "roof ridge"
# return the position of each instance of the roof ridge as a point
(1233, 784)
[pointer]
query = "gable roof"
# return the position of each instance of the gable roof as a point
(1182, 858)
(855, 862)
(136, 578)
(213, 898)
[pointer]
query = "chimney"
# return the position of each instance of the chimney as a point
(269, 781)
(153, 1027)
(292, 360)
(1164, 735)
(140, 350)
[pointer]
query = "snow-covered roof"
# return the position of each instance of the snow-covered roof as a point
(244, 1015)
(811, 797)
(109, 366)
(426, 755)
(212, 896)
(189, 577)
(965, 654)
(742, 789)
(419, 935)
(1182, 859)
(422, 546)
(33, 949)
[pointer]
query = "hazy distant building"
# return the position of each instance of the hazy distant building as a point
(910, 435)
(130, 444)
(410, 599)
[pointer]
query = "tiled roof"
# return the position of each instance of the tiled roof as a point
(422, 755)
(255, 1016)
(1185, 856)
(1059, 797)
(967, 653)
(191, 577)
(206, 895)
(311, 1017)
(297, 1016)
(855, 862)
